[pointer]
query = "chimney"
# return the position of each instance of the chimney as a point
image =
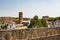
(20, 17)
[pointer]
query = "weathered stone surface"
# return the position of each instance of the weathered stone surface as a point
(31, 34)
(56, 37)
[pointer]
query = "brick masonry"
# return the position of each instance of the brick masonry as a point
(31, 34)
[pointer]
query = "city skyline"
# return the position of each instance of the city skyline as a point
(30, 8)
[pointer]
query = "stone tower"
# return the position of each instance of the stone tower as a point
(20, 17)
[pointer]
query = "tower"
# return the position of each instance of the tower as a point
(20, 17)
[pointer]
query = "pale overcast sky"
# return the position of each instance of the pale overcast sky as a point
(30, 8)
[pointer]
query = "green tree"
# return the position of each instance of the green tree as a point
(35, 17)
(44, 23)
(52, 19)
(57, 17)
(35, 22)
(4, 26)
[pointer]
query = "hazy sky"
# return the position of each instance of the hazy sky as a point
(30, 7)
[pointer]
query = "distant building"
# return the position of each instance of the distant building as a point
(23, 22)
(11, 25)
(16, 22)
(26, 21)
(20, 17)
(55, 23)
(51, 23)
(45, 17)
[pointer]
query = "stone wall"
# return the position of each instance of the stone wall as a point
(31, 34)
(56, 37)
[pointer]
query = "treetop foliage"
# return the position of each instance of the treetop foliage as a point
(35, 22)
